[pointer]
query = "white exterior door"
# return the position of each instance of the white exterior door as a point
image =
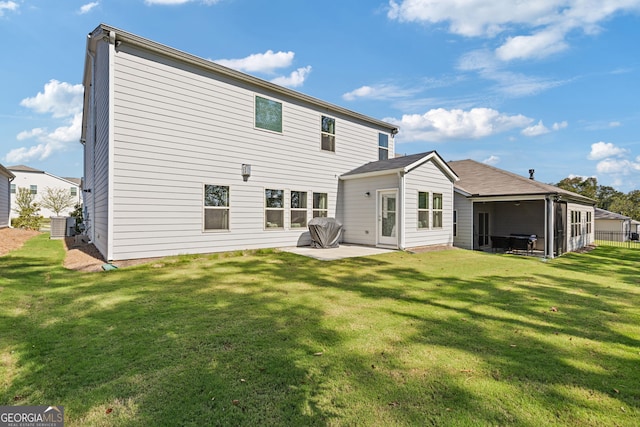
(388, 218)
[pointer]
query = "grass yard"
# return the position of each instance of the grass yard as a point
(451, 338)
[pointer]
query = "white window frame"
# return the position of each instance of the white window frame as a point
(255, 113)
(435, 210)
(427, 211)
(383, 148)
(331, 136)
(304, 210)
(268, 225)
(319, 209)
(225, 207)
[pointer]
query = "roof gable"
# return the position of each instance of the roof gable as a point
(400, 164)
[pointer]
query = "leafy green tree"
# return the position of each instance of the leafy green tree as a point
(57, 199)
(587, 187)
(606, 196)
(27, 210)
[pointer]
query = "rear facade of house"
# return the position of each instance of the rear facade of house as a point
(5, 196)
(182, 155)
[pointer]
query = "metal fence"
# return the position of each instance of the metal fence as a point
(618, 239)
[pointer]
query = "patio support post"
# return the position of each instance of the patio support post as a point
(550, 227)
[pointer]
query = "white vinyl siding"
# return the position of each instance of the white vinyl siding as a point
(464, 208)
(176, 126)
(428, 178)
(584, 236)
(359, 220)
(5, 200)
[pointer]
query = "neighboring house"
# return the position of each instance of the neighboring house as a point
(182, 155)
(613, 226)
(5, 196)
(37, 181)
(492, 204)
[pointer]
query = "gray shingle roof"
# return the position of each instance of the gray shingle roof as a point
(604, 214)
(388, 165)
(23, 168)
(479, 179)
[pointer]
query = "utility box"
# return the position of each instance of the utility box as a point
(71, 226)
(58, 227)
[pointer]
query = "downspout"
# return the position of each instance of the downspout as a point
(111, 155)
(401, 222)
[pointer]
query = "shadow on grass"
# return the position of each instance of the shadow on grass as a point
(278, 339)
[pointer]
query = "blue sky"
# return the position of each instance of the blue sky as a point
(552, 85)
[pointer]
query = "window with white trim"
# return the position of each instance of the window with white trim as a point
(298, 209)
(576, 223)
(589, 222)
(383, 146)
(33, 189)
(423, 209)
(455, 223)
(268, 114)
(13, 189)
(328, 131)
(273, 209)
(74, 191)
(320, 205)
(437, 210)
(216, 207)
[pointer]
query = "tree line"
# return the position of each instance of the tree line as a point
(607, 197)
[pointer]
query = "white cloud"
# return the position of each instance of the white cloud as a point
(508, 83)
(539, 45)
(535, 130)
(615, 124)
(259, 62)
(59, 98)
(536, 28)
(560, 125)
(602, 150)
(379, 92)
(7, 5)
(87, 7)
(62, 101)
(440, 124)
(491, 160)
(618, 166)
(295, 79)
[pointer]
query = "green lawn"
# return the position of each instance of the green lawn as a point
(267, 338)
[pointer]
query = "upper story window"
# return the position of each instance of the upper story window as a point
(216, 207)
(437, 210)
(268, 114)
(328, 134)
(74, 191)
(320, 205)
(13, 189)
(423, 209)
(33, 189)
(298, 209)
(383, 146)
(274, 208)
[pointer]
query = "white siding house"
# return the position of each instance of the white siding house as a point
(5, 196)
(494, 206)
(613, 226)
(37, 181)
(183, 155)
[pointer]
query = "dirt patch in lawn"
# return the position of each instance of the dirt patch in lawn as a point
(13, 238)
(81, 255)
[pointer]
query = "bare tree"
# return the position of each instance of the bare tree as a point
(57, 199)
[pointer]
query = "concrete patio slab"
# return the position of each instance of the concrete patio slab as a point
(343, 251)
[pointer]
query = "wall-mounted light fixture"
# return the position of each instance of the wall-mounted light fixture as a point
(367, 194)
(246, 172)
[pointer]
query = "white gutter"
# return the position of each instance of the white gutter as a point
(401, 205)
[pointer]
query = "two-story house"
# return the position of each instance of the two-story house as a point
(37, 181)
(182, 155)
(6, 176)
